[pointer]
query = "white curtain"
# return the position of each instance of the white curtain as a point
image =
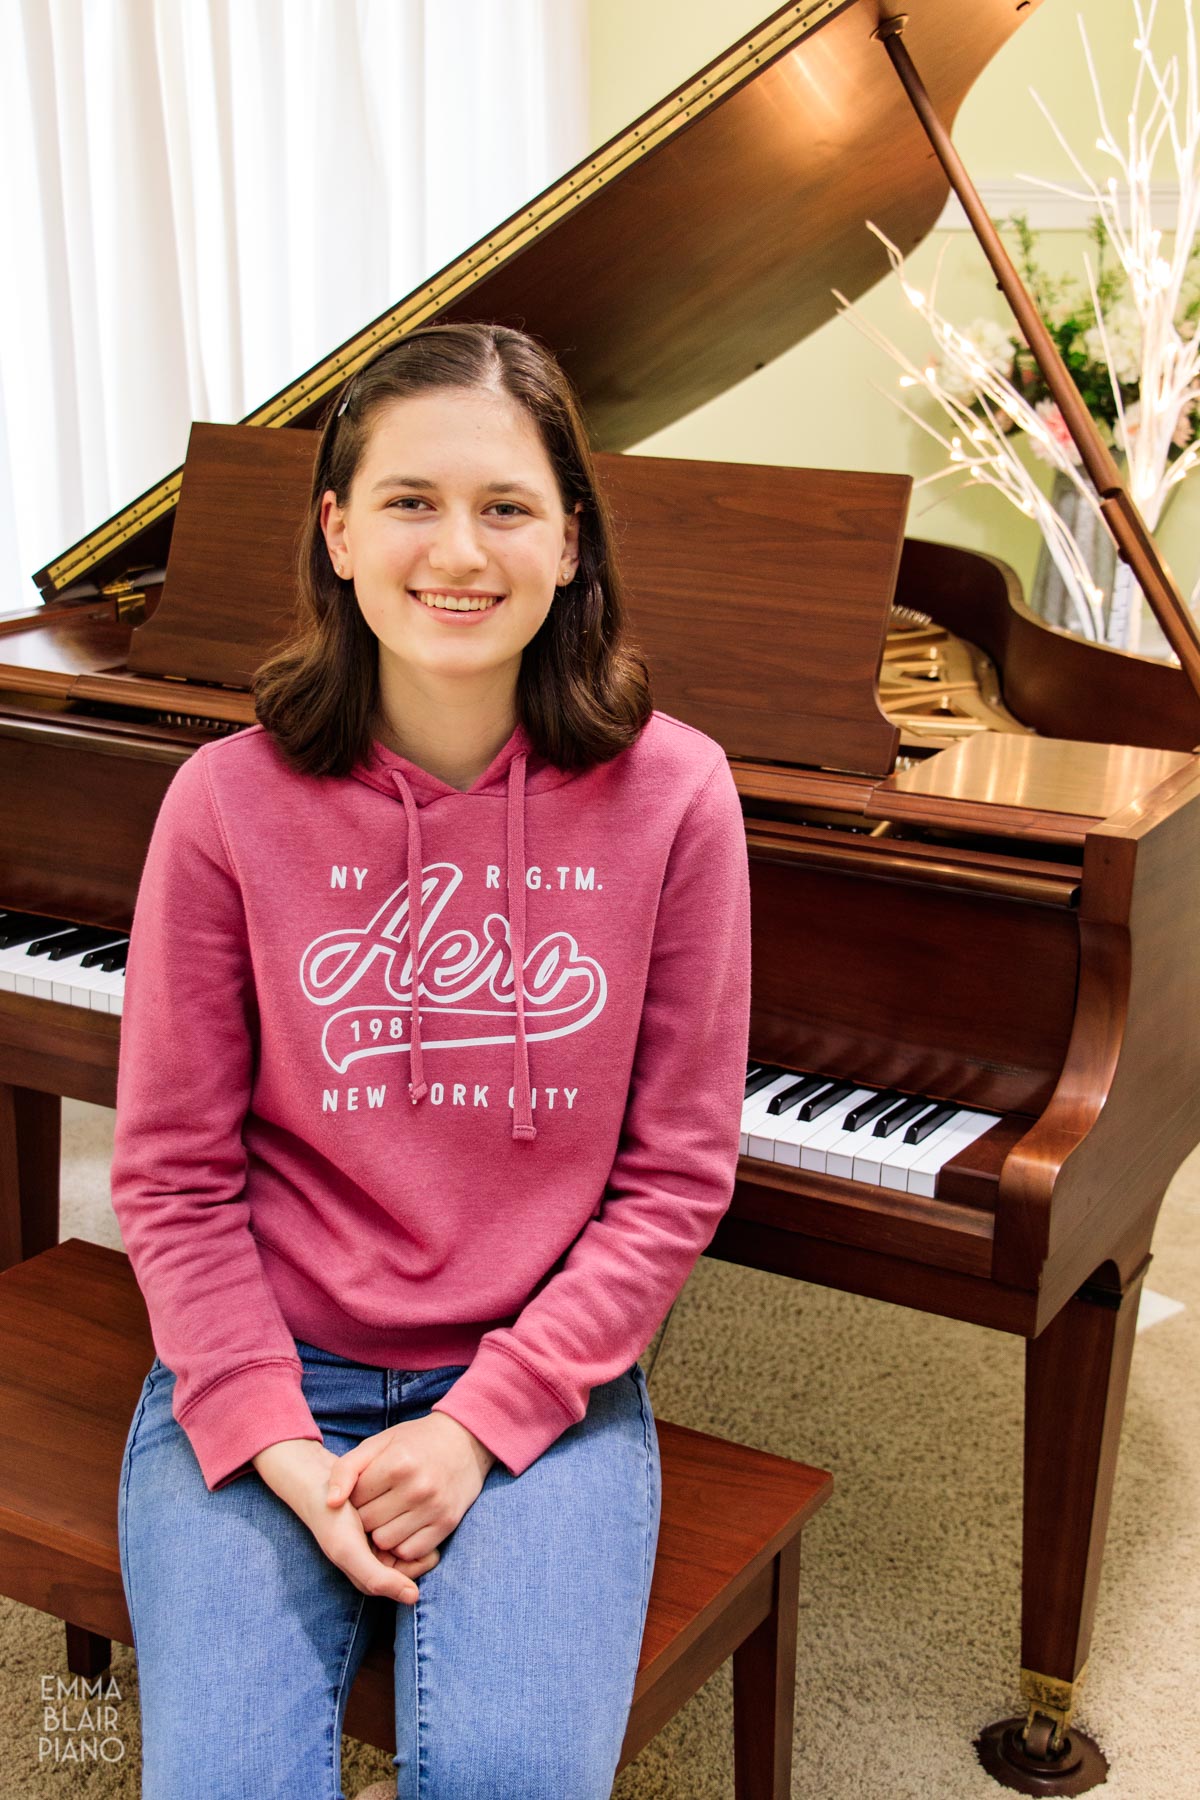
(204, 197)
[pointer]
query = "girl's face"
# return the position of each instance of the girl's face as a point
(453, 532)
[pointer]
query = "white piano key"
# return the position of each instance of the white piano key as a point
(93, 988)
(830, 1127)
(922, 1177)
(886, 1152)
(764, 1129)
(795, 1133)
(897, 1167)
(839, 1159)
(757, 1103)
(107, 989)
(755, 1107)
(17, 964)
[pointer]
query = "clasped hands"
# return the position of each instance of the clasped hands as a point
(380, 1511)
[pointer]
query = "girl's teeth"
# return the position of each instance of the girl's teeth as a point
(450, 604)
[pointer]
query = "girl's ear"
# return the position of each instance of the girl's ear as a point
(571, 533)
(333, 525)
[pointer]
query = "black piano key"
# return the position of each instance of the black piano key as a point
(111, 961)
(821, 1103)
(762, 1078)
(803, 1089)
(901, 1115)
(45, 942)
(917, 1133)
(105, 946)
(870, 1109)
(752, 1068)
(70, 943)
(23, 930)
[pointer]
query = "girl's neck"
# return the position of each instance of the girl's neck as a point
(457, 756)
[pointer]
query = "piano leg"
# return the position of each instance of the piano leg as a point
(1076, 1374)
(30, 1146)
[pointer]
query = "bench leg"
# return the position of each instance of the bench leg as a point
(87, 1654)
(30, 1140)
(764, 1691)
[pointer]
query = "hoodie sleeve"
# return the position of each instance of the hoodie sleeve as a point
(189, 1028)
(674, 1171)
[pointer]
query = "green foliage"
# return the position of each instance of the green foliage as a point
(1069, 316)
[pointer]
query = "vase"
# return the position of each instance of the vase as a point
(1122, 605)
(1049, 596)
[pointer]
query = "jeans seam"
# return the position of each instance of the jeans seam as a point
(648, 1559)
(419, 1697)
(340, 1698)
(123, 1540)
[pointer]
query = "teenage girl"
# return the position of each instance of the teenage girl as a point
(432, 1059)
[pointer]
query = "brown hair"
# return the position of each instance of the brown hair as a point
(583, 694)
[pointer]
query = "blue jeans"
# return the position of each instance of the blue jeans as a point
(514, 1668)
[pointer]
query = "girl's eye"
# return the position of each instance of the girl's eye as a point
(407, 502)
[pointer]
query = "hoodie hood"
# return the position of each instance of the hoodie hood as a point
(514, 771)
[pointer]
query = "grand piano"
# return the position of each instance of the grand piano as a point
(972, 838)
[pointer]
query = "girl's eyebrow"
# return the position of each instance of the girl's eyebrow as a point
(492, 487)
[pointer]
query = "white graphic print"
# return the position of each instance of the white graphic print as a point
(467, 995)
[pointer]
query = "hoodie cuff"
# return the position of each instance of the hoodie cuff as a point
(512, 1411)
(243, 1412)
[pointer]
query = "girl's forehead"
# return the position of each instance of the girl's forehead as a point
(465, 417)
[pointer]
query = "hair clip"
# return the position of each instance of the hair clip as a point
(345, 403)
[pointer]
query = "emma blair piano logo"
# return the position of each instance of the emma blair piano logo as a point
(467, 994)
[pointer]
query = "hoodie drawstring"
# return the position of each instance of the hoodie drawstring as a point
(418, 1087)
(523, 1125)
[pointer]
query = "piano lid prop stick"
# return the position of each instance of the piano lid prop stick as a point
(1121, 516)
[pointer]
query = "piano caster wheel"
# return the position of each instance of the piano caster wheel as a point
(1026, 1761)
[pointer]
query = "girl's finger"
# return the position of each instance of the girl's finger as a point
(364, 1568)
(358, 1559)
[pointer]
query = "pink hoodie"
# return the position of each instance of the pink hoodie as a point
(308, 1147)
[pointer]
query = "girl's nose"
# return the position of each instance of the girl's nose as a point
(456, 545)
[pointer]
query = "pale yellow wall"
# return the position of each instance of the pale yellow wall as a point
(819, 404)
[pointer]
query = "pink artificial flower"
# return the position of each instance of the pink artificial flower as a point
(1056, 427)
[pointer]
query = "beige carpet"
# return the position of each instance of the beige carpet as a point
(909, 1600)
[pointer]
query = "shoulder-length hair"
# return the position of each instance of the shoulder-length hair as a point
(583, 692)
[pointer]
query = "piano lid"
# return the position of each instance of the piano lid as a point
(691, 249)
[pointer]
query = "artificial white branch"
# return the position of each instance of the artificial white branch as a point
(979, 446)
(1164, 110)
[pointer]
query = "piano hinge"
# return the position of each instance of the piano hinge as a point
(130, 601)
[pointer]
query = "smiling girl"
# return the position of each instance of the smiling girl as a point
(432, 1059)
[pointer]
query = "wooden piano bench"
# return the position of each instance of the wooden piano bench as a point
(75, 1347)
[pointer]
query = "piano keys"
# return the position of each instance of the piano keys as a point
(871, 1135)
(52, 959)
